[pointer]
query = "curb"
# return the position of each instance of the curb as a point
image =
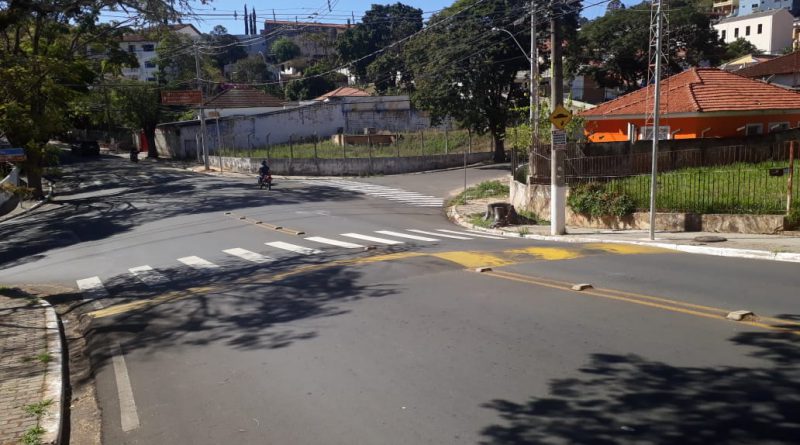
(729, 252)
(35, 206)
(52, 421)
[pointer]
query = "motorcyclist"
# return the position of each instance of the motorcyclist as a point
(263, 172)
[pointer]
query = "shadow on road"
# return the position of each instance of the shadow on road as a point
(629, 399)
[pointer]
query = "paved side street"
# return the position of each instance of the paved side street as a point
(28, 406)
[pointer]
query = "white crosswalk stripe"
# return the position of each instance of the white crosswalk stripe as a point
(424, 232)
(248, 255)
(476, 234)
(405, 235)
(374, 239)
(197, 262)
(333, 242)
(293, 248)
(148, 275)
(380, 191)
(92, 288)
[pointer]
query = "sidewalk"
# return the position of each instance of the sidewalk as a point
(30, 370)
(784, 247)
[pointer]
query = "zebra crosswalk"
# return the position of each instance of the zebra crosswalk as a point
(380, 191)
(93, 288)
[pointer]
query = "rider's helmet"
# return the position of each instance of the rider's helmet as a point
(264, 163)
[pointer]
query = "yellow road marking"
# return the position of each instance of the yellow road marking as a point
(473, 259)
(626, 249)
(668, 304)
(547, 253)
(144, 304)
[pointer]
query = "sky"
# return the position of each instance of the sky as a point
(220, 12)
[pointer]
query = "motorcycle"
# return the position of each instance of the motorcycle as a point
(265, 181)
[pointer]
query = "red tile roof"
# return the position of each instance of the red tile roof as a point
(244, 98)
(790, 63)
(702, 90)
(343, 92)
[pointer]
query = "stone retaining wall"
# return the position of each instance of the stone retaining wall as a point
(536, 198)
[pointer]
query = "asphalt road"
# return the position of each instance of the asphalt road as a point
(404, 343)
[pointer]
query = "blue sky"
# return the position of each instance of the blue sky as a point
(220, 12)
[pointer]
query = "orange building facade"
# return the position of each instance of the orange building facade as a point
(698, 103)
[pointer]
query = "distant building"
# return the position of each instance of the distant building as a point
(143, 46)
(770, 31)
(725, 8)
(242, 102)
(315, 40)
(343, 92)
(614, 5)
(745, 61)
(783, 71)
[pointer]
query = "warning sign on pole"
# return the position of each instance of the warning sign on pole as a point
(560, 117)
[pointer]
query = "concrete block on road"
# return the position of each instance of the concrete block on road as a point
(741, 316)
(582, 286)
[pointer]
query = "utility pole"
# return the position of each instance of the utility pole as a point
(657, 54)
(202, 108)
(533, 112)
(558, 191)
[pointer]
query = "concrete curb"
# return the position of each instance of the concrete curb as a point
(35, 206)
(788, 257)
(52, 420)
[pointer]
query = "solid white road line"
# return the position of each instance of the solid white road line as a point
(197, 262)
(333, 242)
(127, 406)
(92, 288)
(371, 238)
(438, 234)
(293, 248)
(470, 234)
(147, 275)
(248, 255)
(405, 235)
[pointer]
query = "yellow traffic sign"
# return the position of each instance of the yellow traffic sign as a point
(560, 117)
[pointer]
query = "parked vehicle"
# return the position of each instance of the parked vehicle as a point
(85, 148)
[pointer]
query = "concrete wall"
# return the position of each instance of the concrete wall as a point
(350, 166)
(350, 115)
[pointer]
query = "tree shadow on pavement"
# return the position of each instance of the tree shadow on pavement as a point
(622, 399)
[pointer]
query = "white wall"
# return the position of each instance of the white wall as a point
(225, 112)
(776, 32)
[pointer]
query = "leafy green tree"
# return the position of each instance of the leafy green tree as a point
(614, 48)
(476, 88)
(284, 49)
(740, 47)
(251, 69)
(226, 49)
(381, 26)
(137, 105)
(313, 84)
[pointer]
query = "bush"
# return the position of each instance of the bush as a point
(595, 200)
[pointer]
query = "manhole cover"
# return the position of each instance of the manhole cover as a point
(710, 239)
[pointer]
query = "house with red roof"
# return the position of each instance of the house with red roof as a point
(782, 71)
(343, 92)
(242, 102)
(697, 103)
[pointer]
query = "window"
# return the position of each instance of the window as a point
(148, 48)
(753, 129)
(151, 79)
(149, 64)
(735, 32)
(723, 34)
(131, 48)
(646, 133)
(747, 30)
(758, 30)
(778, 126)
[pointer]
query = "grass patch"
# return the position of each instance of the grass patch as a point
(532, 217)
(737, 188)
(476, 219)
(45, 357)
(486, 189)
(38, 409)
(33, 436)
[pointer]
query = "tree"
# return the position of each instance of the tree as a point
(740, 47)
(251, 69)
(137, 105)
(380, 27)
(227, 50)
(284, 49)
(452, 79)
(614, 49)
(313, 84)
(45, 64)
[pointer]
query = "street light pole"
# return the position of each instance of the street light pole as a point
(202, 109)
(558, 191)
